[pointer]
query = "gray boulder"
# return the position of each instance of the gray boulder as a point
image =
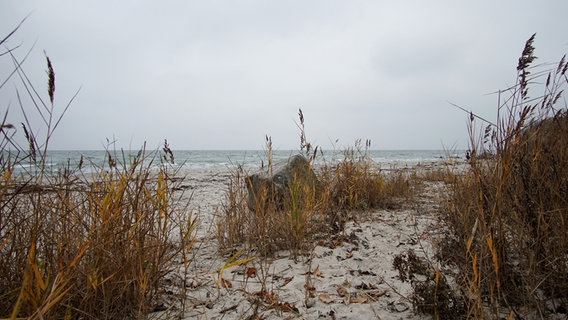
(276, 184)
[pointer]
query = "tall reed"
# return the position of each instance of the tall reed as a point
(77, 244)
(508, 214)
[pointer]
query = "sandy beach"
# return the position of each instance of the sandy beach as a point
(351, 277)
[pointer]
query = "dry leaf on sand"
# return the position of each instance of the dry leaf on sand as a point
(325, 298)
(309, 287)
(251, 272)
(317, 272)
(287, 307)
(226, 283)
(342, 292)
(358, 299)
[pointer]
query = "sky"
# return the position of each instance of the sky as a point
(224, 74)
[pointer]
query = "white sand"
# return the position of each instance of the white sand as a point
(354, 280)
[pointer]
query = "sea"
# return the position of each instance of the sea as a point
(91, 160)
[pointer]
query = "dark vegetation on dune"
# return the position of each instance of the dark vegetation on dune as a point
(506, 242)
(508, 213)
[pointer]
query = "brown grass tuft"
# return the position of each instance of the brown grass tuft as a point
(508, 213)
(309, 216)
(77, 244)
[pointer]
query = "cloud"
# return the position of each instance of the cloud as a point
(221, 75)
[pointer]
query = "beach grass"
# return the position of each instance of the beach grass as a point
(95, 247)
(346, 189)
(507, 214)
(504, 246)
(84, 245)
(109, 243)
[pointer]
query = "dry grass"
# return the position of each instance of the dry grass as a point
(355, 183)
(348, 187)
(271, 225)
(98, 247)
(104, 244)
(508, 214)
(83, 245)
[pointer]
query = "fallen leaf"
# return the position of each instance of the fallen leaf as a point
(251, 272)
(325, 298)
(358, 299)
(349, 256)
(309, 287)
(226, 283)
(287, 307)
(311, 290)
(342, 292)
(317, 272)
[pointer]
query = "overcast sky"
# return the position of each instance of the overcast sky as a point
(223, 74)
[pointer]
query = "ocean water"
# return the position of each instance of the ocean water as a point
(218, 159)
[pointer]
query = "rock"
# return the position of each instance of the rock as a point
(278, 184)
